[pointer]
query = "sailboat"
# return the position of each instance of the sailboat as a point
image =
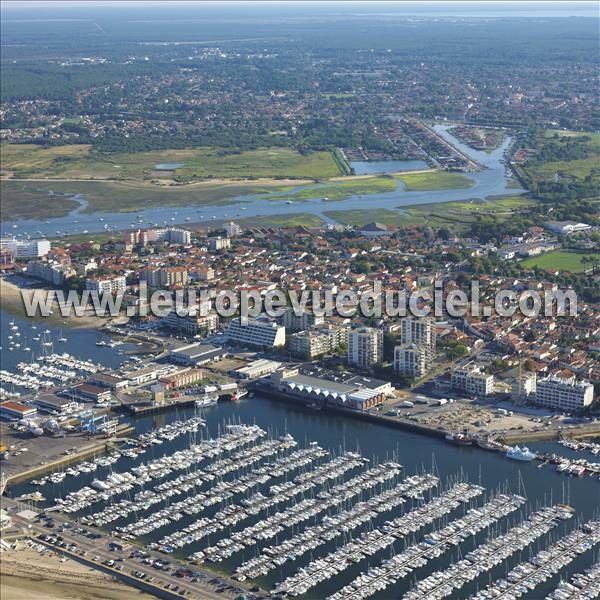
(62, 338)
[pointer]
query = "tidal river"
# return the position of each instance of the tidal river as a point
(491, 181)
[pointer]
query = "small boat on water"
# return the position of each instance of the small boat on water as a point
(459, 439)
(520, 453)
(237, 396)
(206, 401)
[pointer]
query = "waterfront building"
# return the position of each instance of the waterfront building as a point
(412, 360)
(524, 388)
(191, 324)
(355, 393)
(564, 393)
(257, 368)
(472, 380)
(108, 380)
(106, 285)
(26, 248)
(260, 332)
(181, 378)
(196, 354)
(307, 319)
(87, 391)
(16, 410)
(56, 405)
(52, 272)
(151, 372)
(174, 235)
(365, 347)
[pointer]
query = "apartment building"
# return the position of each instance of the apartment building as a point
(54, 273)
(260, 332)
(412, 360)
(106, 285)
(26, 248)
(317, 341)
(419, 331)
(365, 347)
(567, 394)
(473, 381)
(191, 324)
(232, 229)
(219, 243)
(307, 319)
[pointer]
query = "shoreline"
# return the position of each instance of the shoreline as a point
(11, 301)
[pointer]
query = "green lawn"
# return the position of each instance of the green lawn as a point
(80, 161)
(435, 180)
(560, 260)
(340, 190)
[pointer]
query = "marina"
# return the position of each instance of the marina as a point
(302, 517)
(581, 586)
(529, 575)
(355, 509)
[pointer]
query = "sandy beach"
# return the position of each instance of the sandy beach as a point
(11, 301)
(26, 574)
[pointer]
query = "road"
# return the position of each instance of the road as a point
(95, 551)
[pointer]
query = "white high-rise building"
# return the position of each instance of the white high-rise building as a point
(260, 332)
(365, 347)
(106, 285)
(26, 248)
(232, 229)
(564, 393)
(301, 322)
(412, 360)
(420, 331)
(524, 388)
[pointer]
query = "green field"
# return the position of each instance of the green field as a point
(79, 161)
(435, 180)
(561, 260)
(594, 135)
(340, 190)
(454, 215)
(571, 168)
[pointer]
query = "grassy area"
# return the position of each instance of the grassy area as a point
(28, 200)
(455, 215)
(594, 135)
(435, 180)
(340, 190)
(571, 168)
(561, 260)
(295, 220)
(79, 161)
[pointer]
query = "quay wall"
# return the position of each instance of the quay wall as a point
(97, 447)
